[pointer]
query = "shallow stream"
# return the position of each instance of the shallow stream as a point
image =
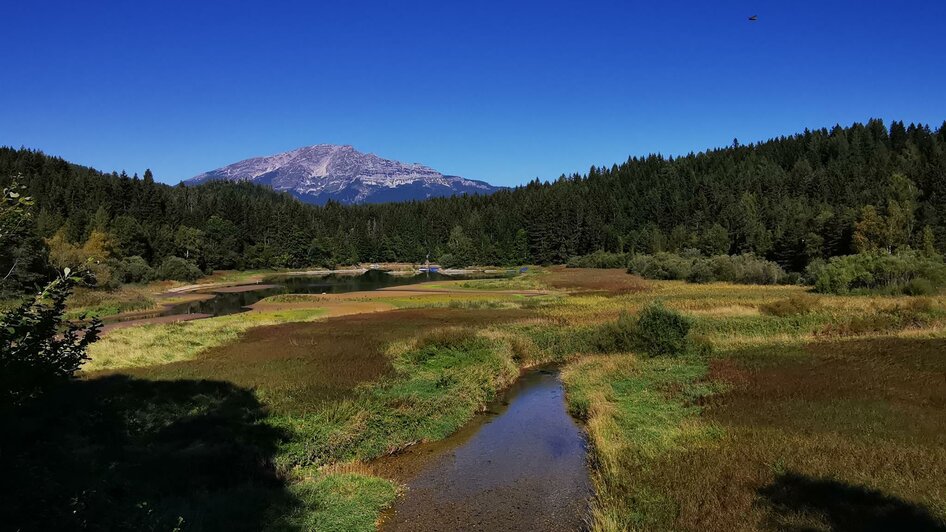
(520, 466)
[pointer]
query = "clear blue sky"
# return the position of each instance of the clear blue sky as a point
(501, 91)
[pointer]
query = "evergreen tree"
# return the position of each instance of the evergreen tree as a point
(791, 199)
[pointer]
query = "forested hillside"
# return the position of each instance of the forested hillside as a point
(790, 199)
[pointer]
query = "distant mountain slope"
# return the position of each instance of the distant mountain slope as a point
(317, 174)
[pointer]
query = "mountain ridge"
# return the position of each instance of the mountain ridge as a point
(323, 172)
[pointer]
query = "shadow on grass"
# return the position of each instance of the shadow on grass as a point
(805, 503)
(119, 453)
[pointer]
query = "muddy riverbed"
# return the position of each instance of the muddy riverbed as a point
(519, 466)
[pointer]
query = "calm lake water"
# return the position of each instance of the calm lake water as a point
(521, 466)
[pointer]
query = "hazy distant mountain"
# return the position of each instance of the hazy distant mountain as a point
(317, 174)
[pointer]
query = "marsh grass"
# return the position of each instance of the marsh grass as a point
(635, 410)
(102, 303)
(791, 396)
(688, 442)
(336, 501)
(439, 380)
(531, 281)
(601, 281)
(795, 305)
(152, 344)
(294, 298)
(915, 314)
(816, 411)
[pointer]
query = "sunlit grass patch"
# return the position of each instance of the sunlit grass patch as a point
(473, 301)
(147, 345)
(456, 301)
(724, 329)
(336, 501)
(532, 281)
(237, 276)
(294, 298)
(636, 410)
(727, 311)
(440, 380)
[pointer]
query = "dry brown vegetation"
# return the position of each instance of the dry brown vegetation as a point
(612, 282)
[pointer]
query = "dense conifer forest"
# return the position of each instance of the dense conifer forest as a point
(817, 194)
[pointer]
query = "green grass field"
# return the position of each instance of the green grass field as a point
(810, 412)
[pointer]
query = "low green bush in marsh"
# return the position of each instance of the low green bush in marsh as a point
(695, 268)
(599, 259)
(662, 332)
(908, 273)
(656, 331)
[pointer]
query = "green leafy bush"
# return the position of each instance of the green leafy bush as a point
(132, 270)
(448, 260)
(599, 259)
(178, 269)
(664, 266)
(906, 272)
(919, 287)
(617, 336)
(656, 331)
(36, 351)
(662, 332)
(743, 269)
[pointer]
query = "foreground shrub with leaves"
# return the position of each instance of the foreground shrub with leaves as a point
(37, 350)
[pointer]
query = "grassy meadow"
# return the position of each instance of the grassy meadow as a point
(811, 413)
(804, 411)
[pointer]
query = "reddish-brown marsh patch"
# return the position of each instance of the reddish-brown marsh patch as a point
(303, 364)
(610, 281)
(860, 423)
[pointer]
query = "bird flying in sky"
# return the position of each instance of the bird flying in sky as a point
(753, 18)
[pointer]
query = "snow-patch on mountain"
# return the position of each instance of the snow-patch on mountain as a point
(317, 174)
